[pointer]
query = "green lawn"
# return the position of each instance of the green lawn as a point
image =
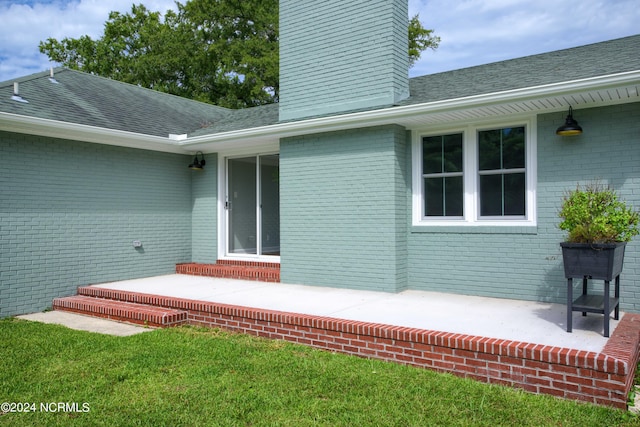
(190, 376)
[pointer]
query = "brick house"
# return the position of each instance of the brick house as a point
(359, 177)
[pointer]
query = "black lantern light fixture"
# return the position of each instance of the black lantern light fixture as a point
(570, 126)
(198, 164)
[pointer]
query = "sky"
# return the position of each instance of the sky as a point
(472, 32)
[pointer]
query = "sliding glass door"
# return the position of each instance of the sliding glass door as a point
(253, 205)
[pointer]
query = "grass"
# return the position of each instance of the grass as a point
(190, 376)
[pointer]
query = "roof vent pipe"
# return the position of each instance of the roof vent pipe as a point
(16, 93)
(51, 78)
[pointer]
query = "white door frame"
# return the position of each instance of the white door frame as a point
(223, 213)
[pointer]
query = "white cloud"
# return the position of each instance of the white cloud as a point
(473, 32)
(23, 24)
(476, 32)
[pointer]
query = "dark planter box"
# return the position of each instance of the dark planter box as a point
(598, 261)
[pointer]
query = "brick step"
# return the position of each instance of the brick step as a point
(246, 270)
(122, 311)
(128, 296)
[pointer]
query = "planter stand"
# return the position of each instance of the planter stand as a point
(597, 262)
(602, 304)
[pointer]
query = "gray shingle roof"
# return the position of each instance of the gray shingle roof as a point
(599, 59)
(96, 101)
(245, 118)
(88, 99)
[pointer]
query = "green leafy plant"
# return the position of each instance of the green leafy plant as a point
(595, 214)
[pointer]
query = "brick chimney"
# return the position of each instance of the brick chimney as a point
(338, 56)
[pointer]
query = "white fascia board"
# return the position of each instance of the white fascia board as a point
(390, 115)
(268, 135)
(536, 92)
(64, 130)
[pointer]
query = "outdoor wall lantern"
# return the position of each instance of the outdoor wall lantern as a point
(197, 165)
(570, 126)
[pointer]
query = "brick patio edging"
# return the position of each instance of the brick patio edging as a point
(231, 269)
(602, 378)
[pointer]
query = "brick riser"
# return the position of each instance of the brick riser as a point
(140, 314)
(602, 378)
(245, 270)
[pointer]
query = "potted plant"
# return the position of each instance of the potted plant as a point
(599, 225)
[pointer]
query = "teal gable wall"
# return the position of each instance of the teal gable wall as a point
(346, 213)
(342, 205)
(69, 212)
(204, 231)
(526, 263)
(339, 56)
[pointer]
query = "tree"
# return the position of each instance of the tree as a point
(420, 39)
(223, 52)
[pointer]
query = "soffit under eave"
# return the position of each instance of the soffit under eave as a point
(422, 116)
(538, 105)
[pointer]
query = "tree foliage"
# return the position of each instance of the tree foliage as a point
(420, 39)
(223, 52)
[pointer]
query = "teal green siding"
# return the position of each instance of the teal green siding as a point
(69, 212)
(204, 233)
(339, 56)
(342, 205)
(526, 263)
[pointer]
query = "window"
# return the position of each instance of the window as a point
(475, 176)
(442, 169)
(501, 154)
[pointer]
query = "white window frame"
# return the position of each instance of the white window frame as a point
(471, 181)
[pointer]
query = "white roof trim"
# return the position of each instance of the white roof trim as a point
(401, 113)
(56, 129)
(544, 98)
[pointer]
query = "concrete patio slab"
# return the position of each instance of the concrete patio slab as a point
(532, 322)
